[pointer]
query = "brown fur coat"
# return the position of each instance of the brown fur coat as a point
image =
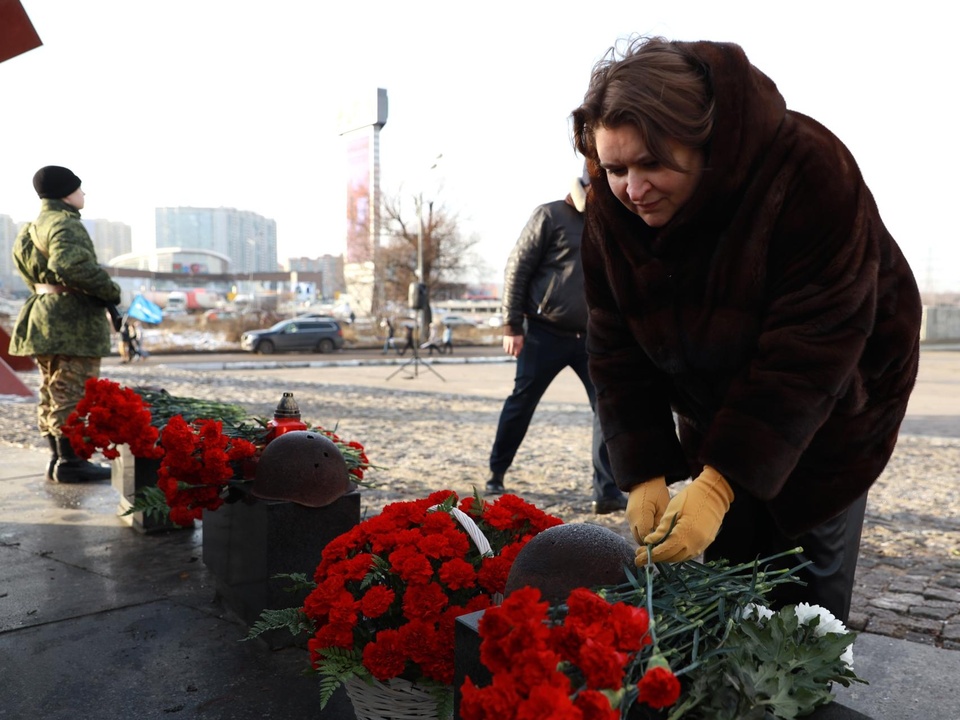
(774, 314)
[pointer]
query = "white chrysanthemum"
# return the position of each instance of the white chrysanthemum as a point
(761, 611)
(828, 624)
(847, 656)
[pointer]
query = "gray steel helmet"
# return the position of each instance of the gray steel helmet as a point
(569, 556)
(304, 467)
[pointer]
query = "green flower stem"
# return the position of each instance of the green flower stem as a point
(692, 604)
(648, 569)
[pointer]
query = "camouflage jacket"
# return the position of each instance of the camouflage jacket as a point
(55, 249)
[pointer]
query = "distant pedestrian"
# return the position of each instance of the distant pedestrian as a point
(63, 324)
(409, 344)
(433, 340)
(389, 339)
(131, 341)
(123, 347)
(446, 344)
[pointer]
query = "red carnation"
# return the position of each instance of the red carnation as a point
(595, 706)
(457, 574)
(384, 656)
(659, 688)
(425, 602)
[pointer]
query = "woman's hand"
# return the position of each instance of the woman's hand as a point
(646, 504)
(691, 521)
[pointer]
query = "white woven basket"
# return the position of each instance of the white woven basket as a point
(479, 539)
(396, 699)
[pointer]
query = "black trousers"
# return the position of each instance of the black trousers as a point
(544, 356)
(749, 533)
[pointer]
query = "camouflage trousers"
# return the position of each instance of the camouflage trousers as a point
(62, 380)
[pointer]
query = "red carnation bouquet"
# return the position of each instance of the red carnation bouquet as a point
(198, 463)
(203, 446)
(109, 415)
(567, 662)
(686, 640)
(387, 593)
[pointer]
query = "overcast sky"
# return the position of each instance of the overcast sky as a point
(234, 103)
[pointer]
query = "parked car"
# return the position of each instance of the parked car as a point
(455, 320)
(314, 316)
(321, 335)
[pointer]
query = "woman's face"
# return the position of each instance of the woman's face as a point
(654, 192)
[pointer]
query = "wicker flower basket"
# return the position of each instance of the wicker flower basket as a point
(395, 699)
(398, 699)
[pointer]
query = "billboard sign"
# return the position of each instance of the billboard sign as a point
(359, 217)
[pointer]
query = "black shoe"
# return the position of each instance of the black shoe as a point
(79, 471)
(607, 505)
(495, 484)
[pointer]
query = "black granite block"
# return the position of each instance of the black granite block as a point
(466, 656)
(247, 543)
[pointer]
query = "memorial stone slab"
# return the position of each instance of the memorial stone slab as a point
(247, 543)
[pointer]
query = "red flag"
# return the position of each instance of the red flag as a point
(17, 34)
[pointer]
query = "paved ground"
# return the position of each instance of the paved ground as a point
(97, 621)
(908, 579)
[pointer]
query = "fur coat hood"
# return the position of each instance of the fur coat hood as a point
(774, 314)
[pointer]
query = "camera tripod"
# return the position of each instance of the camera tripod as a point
(415, 361)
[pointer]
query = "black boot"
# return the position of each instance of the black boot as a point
(54, 456)
(71, 468)
(495, 484)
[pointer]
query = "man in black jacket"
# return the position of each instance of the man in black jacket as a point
(545, 321)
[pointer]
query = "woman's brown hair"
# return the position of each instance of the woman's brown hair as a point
(652, 86)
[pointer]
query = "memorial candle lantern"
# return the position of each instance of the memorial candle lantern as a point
(286, 418)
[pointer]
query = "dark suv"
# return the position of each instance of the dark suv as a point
(310, 334)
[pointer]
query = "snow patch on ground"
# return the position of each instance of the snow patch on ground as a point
(166, 339)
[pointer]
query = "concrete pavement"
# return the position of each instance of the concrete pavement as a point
(98, 621)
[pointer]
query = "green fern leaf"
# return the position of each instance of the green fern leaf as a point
(292, 619)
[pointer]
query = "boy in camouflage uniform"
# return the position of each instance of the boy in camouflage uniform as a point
(62, 324)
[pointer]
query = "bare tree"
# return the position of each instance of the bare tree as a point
(446, 252)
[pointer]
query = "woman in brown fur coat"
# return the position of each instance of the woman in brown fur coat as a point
(753, 325)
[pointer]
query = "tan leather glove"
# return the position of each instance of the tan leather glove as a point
(698, 511)
(646, 504)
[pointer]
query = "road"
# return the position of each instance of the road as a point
(933, 409)
(347, 355)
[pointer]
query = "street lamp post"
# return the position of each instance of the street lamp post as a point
(425, 314)
(420, 238)
(419, 292)
(423, 318)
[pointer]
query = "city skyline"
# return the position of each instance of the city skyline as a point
(221, 231)
(236, 104)
(247, 238)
